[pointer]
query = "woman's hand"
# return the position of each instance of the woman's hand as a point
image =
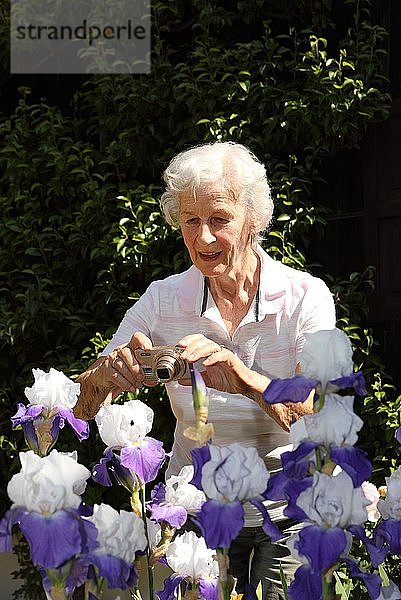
(121, 369)
(197, 346)
(227, 373)
(224, 371)
(111, 375)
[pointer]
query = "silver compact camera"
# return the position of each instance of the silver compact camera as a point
(163, 363)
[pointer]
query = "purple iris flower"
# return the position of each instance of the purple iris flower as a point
(334, 430)
(298, 388)
(372, 581)
(229, 476)
(296, 466)
(118, 573)
(353, 461)
(220, 522)
(376, 546)
(326, 366)
(193, 563)
(131, 465)
(170, 587)
(124, 428)
(322, 548)
(171, 502)
(53, 539)
(41, 428)
(145, 460)
(307, 585)
(120, 536)
(207, 589)
(162, 511)
(334, 510)
(110, 463)
(46, 497)
(387, 534)
(51, 402)
(70, 575)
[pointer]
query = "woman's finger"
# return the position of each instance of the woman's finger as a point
(140, 340)
(124, 371)
(219, 356)
(188, 339)
(200, 348)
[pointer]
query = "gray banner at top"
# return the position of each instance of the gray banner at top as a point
(80, 36)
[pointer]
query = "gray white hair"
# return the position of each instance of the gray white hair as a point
(228, 163)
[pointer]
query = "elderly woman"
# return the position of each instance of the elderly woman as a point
(239, 312)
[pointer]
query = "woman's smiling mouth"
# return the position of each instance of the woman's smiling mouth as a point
(209, 255)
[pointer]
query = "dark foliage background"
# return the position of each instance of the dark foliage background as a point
(80, 165)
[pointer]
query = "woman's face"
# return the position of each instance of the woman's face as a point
(216, 230)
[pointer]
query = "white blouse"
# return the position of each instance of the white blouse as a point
(269, 340)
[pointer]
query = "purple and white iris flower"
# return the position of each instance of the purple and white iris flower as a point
(332, 508)
(330, 433)
(130, 452)
(169, 507)
(335, 425)
(387, 534)
(326, 366)
(120, 536)
(46, 496)
(51, 400)
(334, 430)
(171, 502)
(229, 476)
(192, 562)
(390, 506)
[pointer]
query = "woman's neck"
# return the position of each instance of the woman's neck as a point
(240, 283)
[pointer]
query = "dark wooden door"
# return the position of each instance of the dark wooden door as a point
(382, 231)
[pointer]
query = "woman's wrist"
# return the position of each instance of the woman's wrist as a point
(256, 385)
(94, 391)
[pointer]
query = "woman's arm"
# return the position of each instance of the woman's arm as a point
(225, 372)
(109, 376)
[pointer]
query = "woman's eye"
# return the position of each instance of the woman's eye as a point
(219, 220)
(192, 221)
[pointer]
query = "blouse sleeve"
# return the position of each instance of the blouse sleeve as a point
(137, 318)
(317, 313)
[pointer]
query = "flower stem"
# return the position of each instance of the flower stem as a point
(148, 548)
(136, 506)
(327, 588)
(225, 580)
(318, 406)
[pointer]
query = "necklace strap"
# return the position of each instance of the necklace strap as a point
(206, 293)
(257, 303)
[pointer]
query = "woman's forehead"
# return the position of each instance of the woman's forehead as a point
(208, 194)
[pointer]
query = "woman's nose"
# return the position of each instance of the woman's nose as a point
(205, 234)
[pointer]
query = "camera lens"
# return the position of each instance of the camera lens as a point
(163, 374)
(168, 366)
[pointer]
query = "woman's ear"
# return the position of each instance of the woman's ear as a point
(253, 233)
